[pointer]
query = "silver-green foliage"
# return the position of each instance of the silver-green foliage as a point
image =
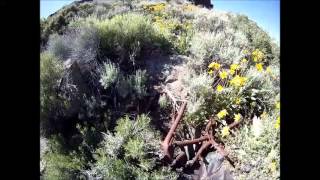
(163, 101)
(109, 75)
(223, 46)
(60, 45)
(139, 82)
(139, 144)
(256, 152)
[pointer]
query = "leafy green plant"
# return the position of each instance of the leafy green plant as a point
(59, 164)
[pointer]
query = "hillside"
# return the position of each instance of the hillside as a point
(157, 90)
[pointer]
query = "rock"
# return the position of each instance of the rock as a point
(204, 3)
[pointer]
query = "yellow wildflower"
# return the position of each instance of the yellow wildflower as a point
(257, 55)
(223, 74)
(234, 66)
(222, 113)
(219, 88)
(156, 7)
(273, 166)
(238, 101)
(238, 81)
(225, 131)
(237, 117)
(268, 70)
(210, 72)
(277, 125)
(259, 67)
(244, 60)
(231, 71)
(214, 65)
(278, 105)
(245, 51)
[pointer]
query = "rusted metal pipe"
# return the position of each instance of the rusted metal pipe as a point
(165, 145)
(194, 141)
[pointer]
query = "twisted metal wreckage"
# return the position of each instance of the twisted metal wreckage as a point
(214, 170)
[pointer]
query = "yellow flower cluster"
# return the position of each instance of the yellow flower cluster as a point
(222, 113)
(233, 68)
(225, 131)
(244, 60)
(237, 117)
(155, 7)
(223, 74)
(163, 24)
(219, 88)
(238, 81)
(245, 51)
(257, 55)
(259, 67)
(214, 66)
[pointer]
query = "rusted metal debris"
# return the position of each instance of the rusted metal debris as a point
(206, 140)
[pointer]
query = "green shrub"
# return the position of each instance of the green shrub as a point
(225, 47)
(58, 22)
(256, 36)
(59, 164)
(121, 34)
(130, 153)
(261, 154)
(51, 70)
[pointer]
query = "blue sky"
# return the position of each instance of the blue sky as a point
(265, 12)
